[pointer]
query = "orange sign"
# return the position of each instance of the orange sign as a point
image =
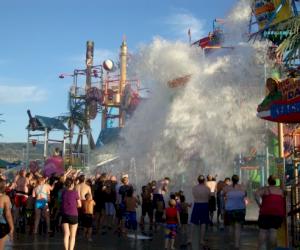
(290, 88)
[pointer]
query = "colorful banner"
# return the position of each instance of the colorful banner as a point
(270, 12)
(289, 88)
(283, 112)
(285, 108)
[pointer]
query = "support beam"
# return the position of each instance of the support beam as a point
(46, 143)
(27, 148)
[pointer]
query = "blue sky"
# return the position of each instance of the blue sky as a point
(41, 39)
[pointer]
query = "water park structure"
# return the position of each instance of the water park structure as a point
(98, 89)
(208, 121)
(273, 19)
(106, 91)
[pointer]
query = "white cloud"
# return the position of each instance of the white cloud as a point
(99, 56)
(180, 23)
(20, 94)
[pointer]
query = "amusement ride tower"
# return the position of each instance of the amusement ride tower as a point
(104, 91)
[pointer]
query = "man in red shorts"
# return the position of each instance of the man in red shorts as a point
(21, 183)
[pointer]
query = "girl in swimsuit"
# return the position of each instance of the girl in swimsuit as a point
(41, 194)
(6, 220)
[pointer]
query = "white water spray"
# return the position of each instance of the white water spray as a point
(199, 128)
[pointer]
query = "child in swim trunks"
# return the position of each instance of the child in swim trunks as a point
(131, 203)
(87, 217)
(172, 222)
(184, 216)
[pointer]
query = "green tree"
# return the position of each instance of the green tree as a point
(290, 47)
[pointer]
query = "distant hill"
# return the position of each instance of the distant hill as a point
(17, 151)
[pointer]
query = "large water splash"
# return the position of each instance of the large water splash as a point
(201, 127)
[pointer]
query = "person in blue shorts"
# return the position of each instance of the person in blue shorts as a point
(200, 212)
(131, 203)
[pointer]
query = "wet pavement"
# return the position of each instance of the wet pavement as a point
(216, 239)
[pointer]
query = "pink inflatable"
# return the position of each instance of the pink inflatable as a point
(54, 165)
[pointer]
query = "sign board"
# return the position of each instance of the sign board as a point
(271, 12)
(283, 104)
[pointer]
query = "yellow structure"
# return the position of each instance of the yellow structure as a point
(265, 12)
(113, 89)
(123, 74)
(123, 60)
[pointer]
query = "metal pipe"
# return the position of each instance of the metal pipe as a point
(27, 148)
(36, 135)
(46, 144)
(89, 65)
(53, 140)
(239, 168)
(88, 149)
(103, 120)
(64, 146)
(262, 175)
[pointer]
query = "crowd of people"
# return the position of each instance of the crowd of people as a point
(34, 204)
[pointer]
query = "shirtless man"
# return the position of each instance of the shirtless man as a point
(147, 205)
(121, 209)
(131, 203)
(82, 188)
(20, 185)
(160, 189)
(211, 184)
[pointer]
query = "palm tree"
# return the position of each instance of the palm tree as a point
(76, 118)
(1, 121)
(289, 48)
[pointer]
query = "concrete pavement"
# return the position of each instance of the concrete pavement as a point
(216, 240)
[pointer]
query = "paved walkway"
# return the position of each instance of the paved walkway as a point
(216, 239)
